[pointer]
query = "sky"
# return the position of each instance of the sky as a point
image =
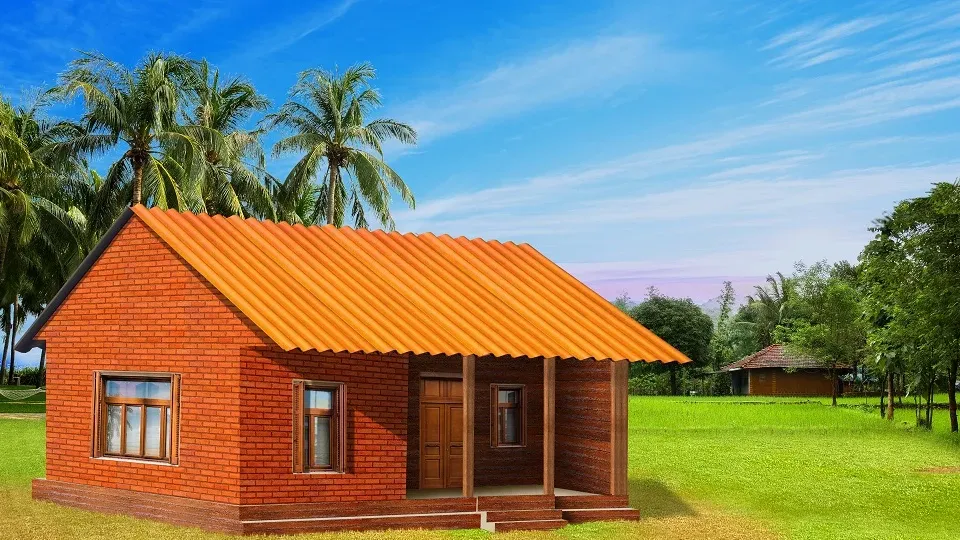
(668, 144)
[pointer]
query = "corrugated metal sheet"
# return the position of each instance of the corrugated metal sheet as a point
(342, 289)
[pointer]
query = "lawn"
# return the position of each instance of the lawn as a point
(699, 468)
(33, 404)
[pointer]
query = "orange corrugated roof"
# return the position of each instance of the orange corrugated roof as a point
(355, 290)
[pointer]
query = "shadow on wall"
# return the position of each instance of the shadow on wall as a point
(655, 500)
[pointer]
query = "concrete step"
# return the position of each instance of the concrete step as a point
(524, 515)
(601, 514)
(532, 525)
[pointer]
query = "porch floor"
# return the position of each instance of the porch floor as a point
(489, 491)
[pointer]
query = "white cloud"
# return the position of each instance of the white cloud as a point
(596, 67)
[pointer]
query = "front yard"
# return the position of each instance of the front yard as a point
(699, 468)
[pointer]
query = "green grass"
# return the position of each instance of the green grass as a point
(699, 468)
(33, 404)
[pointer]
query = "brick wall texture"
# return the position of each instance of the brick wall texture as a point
(142, 308)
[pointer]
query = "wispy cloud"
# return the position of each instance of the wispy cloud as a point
(817, 43)
(597, 67)
(279, 37)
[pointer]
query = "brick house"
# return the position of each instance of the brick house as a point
(257, 377)
(773, 371)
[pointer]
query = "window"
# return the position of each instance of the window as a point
(319, 437)
(136, 416)
(507, 415)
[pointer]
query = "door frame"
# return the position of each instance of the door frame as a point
(426, 376)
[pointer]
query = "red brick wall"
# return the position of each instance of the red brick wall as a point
(141, 308)
(492, 466)
(583, 452)
(376, 456)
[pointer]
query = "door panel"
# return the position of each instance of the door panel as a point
(441, 433)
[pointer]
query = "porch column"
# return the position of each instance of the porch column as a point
(619, 374)
(549, 423)
(469, 390)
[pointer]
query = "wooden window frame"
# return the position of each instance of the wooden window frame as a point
(495, 407)
(100, 408)
(302, 449)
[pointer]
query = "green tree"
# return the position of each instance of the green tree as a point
(680, 323)
(233, 160)
(138, 108)
(770, 307)
(720, 343)
(831, 329)
(913, 266)
(327, 115)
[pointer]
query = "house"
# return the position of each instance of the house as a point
(257, 377)
(773, 371)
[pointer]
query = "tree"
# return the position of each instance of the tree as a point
(720, 343)
(233, 161)
(770, 306)
(913, 268)
(138, 108)
(327, 114)
(831, 330)
(680, 323)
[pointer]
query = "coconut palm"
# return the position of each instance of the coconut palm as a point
(35, 164)
(233, 160)
(341, 150)
(770, 305)
(138, 109)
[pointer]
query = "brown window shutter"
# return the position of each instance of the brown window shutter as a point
(494, 409)
(96, 416)
(175, 419)
(298, 426)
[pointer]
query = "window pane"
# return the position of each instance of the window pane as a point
(509, 396)
(131, 388)
(132, 446)
(321, 441)
(319, 399)
(510, 426)
(151, 442)
(114, 418)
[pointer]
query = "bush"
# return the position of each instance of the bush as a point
(30, 376)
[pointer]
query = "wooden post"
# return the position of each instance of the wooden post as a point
(469, 401)
(619, 373)
(549, 423)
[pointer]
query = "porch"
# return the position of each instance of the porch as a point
(493, 432)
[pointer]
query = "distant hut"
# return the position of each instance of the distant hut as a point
(775, 372)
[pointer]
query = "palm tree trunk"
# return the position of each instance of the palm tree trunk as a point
(13, 341)
(6, 341)
(673, 379)
(332, 191)
(43, 360)
(138, 165)
(890, 395)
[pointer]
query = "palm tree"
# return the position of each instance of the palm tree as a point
(36, 161)
(327, 113)
(770, 307)
(138, 108)
(230, 184)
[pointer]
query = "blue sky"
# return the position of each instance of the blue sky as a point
(674, 144)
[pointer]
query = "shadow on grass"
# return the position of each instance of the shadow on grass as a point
(655, 500)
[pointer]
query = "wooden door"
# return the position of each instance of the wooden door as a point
(441, 433)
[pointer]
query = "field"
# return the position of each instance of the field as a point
(721, 468)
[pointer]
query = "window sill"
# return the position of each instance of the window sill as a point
(135, 460)
(322, 472)
(508, 446)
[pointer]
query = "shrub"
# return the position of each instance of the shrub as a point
(30, 376)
